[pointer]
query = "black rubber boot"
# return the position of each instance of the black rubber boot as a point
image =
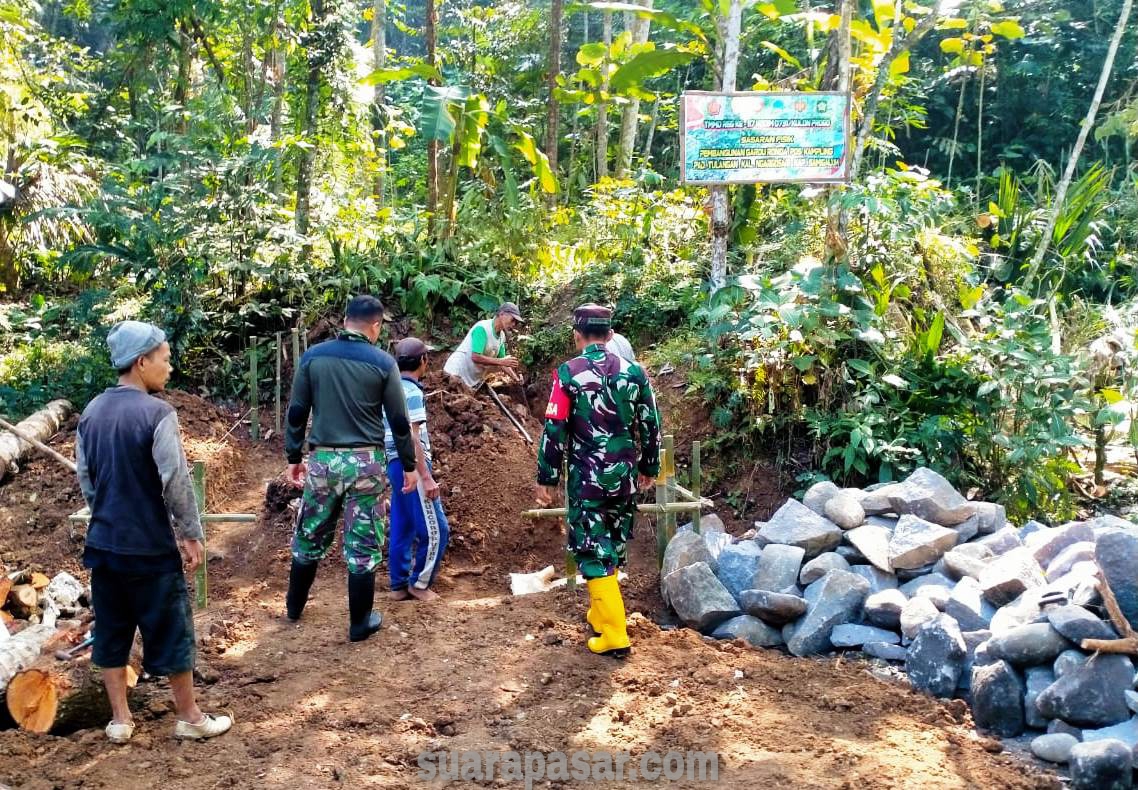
(300, 579)
(361, 598)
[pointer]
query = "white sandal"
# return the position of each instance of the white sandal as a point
(118, 732)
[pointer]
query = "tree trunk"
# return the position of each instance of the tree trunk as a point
(956, 131)
(720, 207)
(22, 650)
(308, 153)
(432, 144)
(553, 114)
(647, 155)
(603, 106)
(631, 114)
(61, 697)
(573, 136)
(378, 118)
(1076, 152)
(42, 425)
(900, 44)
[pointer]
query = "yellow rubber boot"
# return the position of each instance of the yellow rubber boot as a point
(608, 611)
(591, 617)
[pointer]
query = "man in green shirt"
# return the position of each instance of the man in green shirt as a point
(484, 347)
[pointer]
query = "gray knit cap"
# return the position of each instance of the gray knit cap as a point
(129, 340)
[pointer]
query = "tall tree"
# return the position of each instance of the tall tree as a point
(729, 29)
(628, 120)
(553, 119)
(1076, 152)
(315, 59)
(378, 119)
(602, 144)
(432, 143)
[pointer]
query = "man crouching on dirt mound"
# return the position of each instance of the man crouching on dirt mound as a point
(134, 476)
(601, 407)
(350, 386)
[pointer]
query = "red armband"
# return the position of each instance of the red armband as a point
(558, 408)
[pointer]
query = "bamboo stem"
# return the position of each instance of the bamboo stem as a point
(695, 484)
(661, 503)
(671, 507)
(295, 350)
(277, 390)
(200, 578)
(84, 515)
(570, 560)
(254, 415)
(670, 482)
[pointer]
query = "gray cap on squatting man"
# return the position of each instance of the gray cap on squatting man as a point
(129, 340)
(511, 309)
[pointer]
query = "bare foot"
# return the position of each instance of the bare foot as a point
(399, 595)
(423, 595)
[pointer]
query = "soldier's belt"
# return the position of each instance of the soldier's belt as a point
(370, 448)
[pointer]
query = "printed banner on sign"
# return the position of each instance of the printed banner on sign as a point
(753, 138)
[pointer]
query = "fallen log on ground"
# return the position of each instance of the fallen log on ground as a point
(41, 426)
(61, 696)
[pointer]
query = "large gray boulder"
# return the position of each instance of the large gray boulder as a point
(997, 699)
(884, 608)
(737, 566)
(873, 543)
(991, 517)
(961, 564)
(837, 598)
(1046, 545)
(1001, 541)
(1092, 695)
(820, 566)
(916, 542)
(1029, 645)
(794, 524)
(685, 548)
(751, 630)
(700, 599)
(967, 529)
(1054, 748)
(924, 494)
(1038, 680)
(935, 586)
(778, 568)
(1068, 558)
(1126, 731)
(969, 606)
(1116, 552)
(915, 614)
(818, 495)
(1076, 623)
(850, 635)
(1010, 575)
(845, 510)
(1101, 765)
(1068, 661)
(878, 579)
(774, 608)
(936, 657)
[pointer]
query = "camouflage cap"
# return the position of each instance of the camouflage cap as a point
(592, 318)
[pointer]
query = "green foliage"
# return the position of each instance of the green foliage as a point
(45, 369)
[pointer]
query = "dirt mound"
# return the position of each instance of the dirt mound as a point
(487, 472)
(35, 502)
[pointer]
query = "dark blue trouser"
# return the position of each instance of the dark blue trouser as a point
(418, 528)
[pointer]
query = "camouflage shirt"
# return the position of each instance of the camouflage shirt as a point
(601, 411)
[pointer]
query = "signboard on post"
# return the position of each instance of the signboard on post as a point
(760, 137)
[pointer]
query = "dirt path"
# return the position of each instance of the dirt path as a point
(481, 670)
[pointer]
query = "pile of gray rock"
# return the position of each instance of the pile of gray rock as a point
(973, 606)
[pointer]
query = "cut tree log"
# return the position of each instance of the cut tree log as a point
(22, 650)
(23, 601)
(61, 696)
(5, 587)
(41, 426)
(39, 581)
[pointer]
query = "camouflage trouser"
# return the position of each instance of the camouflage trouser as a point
(599, 531)
(345, 484)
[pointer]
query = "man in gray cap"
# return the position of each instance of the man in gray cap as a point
(484, 347)
(134, 476)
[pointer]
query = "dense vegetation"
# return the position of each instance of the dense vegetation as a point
(231, 168)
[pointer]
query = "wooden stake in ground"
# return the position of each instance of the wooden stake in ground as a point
(33, 432)
(254, 393)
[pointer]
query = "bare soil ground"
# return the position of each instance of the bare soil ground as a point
(476, 670)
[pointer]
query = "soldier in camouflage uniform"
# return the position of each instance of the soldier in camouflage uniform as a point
(349, 387)
(603, 415)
